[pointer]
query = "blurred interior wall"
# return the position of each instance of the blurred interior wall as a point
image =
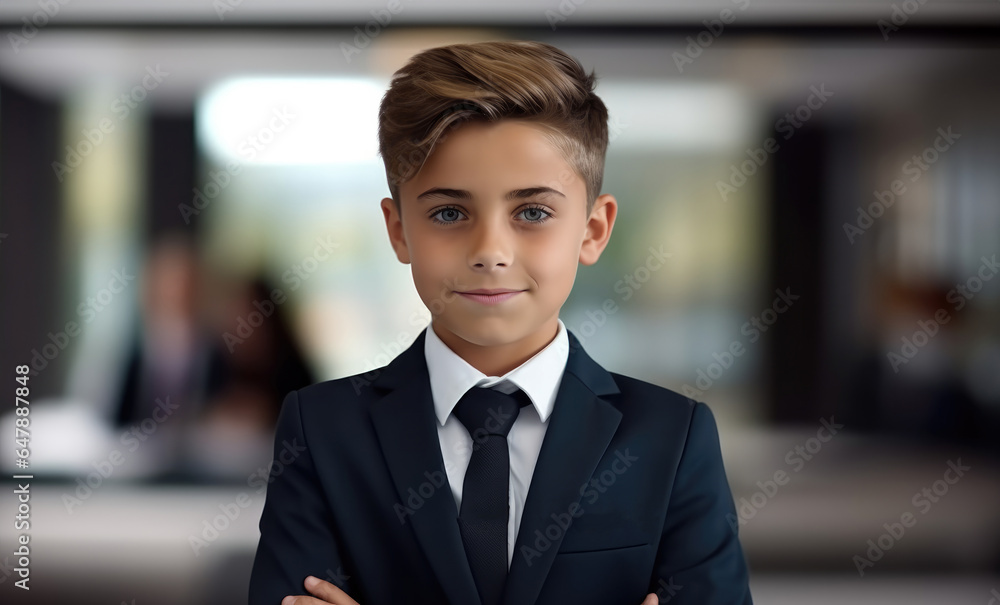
(29, 251)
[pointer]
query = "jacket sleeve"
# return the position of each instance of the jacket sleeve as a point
(699, 560)
(296, 529)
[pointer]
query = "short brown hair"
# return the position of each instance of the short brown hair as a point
(442, 87)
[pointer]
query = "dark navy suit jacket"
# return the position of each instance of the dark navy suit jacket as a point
(629, 496)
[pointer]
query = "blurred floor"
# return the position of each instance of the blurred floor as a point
(891, 590)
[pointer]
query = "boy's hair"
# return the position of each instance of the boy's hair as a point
(440, 88)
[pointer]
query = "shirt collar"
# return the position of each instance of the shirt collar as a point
(451, 376)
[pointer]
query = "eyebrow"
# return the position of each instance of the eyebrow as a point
(462, 194)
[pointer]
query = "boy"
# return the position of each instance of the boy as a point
(411, 483)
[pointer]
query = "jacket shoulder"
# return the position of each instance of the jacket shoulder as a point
(643, 400)
(355, 385)
(340, 396)
(636, 391)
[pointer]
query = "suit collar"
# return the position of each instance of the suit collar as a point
(451, 376)
(402, 368)
(581, 426)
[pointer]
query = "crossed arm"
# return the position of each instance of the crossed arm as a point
(325, 593)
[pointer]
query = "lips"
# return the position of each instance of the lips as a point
(491, 296)
(489, 291)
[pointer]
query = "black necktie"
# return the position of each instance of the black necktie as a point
(488, 415)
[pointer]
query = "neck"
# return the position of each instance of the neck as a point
(497, 360)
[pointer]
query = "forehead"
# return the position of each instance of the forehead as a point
(483, 155)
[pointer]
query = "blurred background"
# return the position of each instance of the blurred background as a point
(189, 229)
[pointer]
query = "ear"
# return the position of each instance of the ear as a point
(394, 226)
(599, 226)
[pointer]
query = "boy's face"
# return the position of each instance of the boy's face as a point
(496, 207)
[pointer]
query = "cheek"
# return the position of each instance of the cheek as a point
(556, 260)
(433, 263)
(426, 249)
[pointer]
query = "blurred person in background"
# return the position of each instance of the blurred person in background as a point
(249, 378)
(169, 359)
(918, 377)
(213, 405)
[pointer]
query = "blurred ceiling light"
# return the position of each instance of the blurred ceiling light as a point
(285, 121)
(648, 115)
(275, 121)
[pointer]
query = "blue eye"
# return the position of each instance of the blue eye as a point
(452, 211)
(543, 215)
(450, 215)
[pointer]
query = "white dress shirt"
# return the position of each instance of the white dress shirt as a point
(539, 377)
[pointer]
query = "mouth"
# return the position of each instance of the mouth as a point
(488, 291)
(490, 296)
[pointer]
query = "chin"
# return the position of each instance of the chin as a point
(487, 333)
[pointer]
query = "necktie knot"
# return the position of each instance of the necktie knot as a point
(486, 411)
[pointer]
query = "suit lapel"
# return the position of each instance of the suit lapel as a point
(580, 428)
(406, 426)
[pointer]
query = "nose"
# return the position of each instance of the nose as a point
(491, 244)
